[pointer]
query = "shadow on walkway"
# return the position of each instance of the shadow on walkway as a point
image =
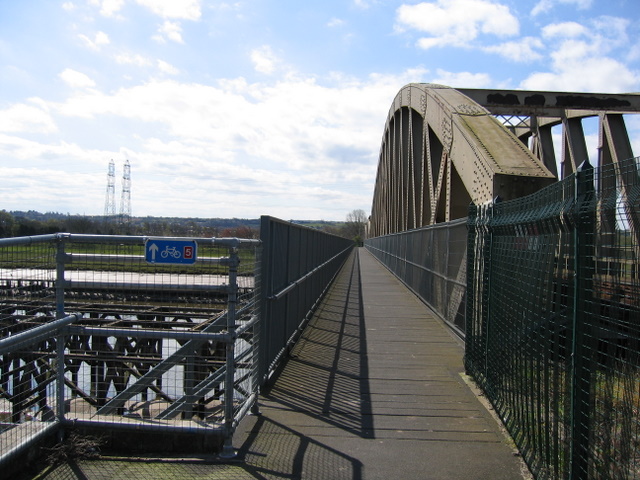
(327, 374)
(323, 386)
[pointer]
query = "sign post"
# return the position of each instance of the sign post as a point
(170, 251)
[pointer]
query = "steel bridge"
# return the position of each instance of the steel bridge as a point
(531, 257)
(444, 148)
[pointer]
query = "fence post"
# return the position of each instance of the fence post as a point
(584, 233)
(470, 343)
(227, 449)
(60, 263)
(60, 338)
(264, 292)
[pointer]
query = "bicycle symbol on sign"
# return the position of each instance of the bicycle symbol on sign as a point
(173, 251)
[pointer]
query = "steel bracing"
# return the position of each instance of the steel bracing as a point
(444, 148)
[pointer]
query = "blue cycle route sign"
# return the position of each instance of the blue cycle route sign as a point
(160, 250)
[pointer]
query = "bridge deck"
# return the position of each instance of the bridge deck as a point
(373, 390)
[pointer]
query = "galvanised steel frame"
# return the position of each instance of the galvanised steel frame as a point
(94, 337)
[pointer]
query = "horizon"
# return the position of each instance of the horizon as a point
(139, 217)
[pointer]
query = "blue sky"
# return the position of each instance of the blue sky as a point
(245, 108)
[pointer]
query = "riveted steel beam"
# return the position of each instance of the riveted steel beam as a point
(550, 104)
(443, 148)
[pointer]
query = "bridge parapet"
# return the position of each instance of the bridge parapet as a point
(298, 264)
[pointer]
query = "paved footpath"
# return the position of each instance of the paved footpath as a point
(373, 390)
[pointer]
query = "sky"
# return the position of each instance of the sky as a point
(264, 107)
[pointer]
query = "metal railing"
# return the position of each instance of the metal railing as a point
(430, 261)
(298, 265)
(553, 322)
(107, 332)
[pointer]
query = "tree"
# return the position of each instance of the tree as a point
(355, 225)
(7, 224)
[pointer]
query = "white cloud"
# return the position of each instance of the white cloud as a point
(603, 33)
(634, 53)
(524, 50)
(462, 79)
(169, 30)
(132, 59)
(584, 58)
(47, 169)
(108, 8)
(364, 4)
(182, 9)
(167, 68)
(314, 140)
(264, 59)
(335, 22)
(583, 73)
(544, 6)
(633, 127)
(564, 30)
(76, 79)
(98, 41)
(456, 22)
(27, 118)
(611, 31)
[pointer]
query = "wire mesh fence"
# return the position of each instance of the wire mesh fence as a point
(107, 331)
(431, 261)
(27, 281)
(553, 322)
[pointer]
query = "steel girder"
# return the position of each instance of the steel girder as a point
(443, 148)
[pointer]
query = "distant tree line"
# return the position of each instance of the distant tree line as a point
(30, 223)
(21, 224)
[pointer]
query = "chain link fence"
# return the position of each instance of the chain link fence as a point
(430, 261)
(136, 334)
(553, 322)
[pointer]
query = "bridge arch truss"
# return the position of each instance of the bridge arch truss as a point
(444, 148)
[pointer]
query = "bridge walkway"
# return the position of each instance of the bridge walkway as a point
(373, 390)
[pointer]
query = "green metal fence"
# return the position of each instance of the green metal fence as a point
(553, 321)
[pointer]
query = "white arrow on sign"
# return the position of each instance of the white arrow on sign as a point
(153, 248)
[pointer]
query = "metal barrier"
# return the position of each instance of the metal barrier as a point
(298, 265)
(553, 335)
(430, 261)
(138, 333)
